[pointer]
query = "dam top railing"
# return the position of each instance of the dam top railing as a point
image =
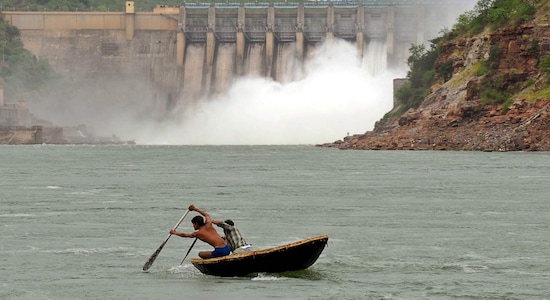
(317, 4)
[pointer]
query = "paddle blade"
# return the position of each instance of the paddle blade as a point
(151, 259)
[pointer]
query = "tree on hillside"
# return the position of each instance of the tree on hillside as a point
(82, 5)
(21, 70)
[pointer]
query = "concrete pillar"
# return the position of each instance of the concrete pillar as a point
(300, 19)
(390, 38)
(269, 41)
(330, 22)
(180, 38)
(421, 14)
(130, 20)
(359, 40)
(210, 47)
(241, 41)
(180, 48)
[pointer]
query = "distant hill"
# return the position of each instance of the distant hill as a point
(82, 5)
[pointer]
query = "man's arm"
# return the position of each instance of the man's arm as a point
(183, 234)
(220, 224)
(202, 212)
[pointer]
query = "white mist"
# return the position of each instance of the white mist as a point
(338, 94)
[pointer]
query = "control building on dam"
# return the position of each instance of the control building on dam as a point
(199, 48)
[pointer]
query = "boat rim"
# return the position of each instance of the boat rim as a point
(237, 256)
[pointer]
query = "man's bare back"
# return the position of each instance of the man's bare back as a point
(208, 234)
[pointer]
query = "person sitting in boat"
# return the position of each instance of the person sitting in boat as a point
(205, 232)
(233, 236)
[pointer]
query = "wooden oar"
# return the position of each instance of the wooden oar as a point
(188, 251)
(151, 259)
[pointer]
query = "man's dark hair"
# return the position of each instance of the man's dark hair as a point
(198, 220)
(228, 221)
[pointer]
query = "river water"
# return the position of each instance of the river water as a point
(79, 222)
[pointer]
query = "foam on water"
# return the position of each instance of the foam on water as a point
(185, 268)
(267, 277)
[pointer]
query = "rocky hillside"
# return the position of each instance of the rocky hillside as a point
(454, 115)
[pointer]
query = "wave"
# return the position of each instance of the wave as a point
(466, 268)
(88, 251)
(18, 215)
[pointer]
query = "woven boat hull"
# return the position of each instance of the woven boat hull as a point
(289, 257)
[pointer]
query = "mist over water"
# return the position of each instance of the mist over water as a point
(338, 93)
(334, 92)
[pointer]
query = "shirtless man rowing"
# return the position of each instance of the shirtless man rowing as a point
(205, 232)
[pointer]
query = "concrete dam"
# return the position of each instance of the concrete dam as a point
(260, 38)
(198, 49)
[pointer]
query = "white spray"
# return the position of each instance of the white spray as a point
(338, 95)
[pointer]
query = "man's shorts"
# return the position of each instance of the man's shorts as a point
(222, 251)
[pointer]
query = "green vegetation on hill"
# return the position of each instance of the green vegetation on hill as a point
(421, 77)
(21, 70)
(494, 14)
(81, 5)
(488, 15)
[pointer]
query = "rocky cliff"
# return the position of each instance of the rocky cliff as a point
(454, 116)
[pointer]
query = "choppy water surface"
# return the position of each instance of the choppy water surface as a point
(79, 222)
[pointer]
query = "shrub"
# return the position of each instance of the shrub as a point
(494, 14)
(421, 76)
(445, 70)
(544, 65)
(494, 57)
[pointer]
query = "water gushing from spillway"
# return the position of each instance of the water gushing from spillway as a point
(335, 93)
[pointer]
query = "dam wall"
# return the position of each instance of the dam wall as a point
(197, 49)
